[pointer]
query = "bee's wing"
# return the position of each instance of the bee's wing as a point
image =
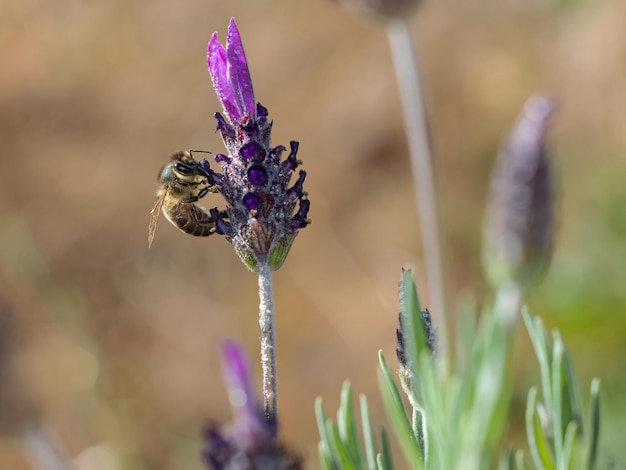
(154, 215)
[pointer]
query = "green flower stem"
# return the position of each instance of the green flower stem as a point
(41, 452)
(407, 73)
(268, 353)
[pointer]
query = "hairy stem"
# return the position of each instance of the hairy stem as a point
(407, 73)
(268, 354)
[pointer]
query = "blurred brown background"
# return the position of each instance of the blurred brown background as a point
(117, 345)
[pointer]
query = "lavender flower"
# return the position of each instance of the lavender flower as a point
(520, 212)
(262, 217)
(250, 441)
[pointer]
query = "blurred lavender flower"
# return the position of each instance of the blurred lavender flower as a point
(261, 223)
(518, 229)
(250, 441)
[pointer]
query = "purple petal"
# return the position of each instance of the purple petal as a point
(219, 71)
(238, 71)
(239, 381)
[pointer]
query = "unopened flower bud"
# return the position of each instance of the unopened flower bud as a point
(517, 238)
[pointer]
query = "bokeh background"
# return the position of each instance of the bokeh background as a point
(114, 347)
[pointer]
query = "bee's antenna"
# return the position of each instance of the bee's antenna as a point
(199, 151)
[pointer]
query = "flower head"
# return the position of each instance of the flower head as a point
(520, 214)
(264, 212)
(250, 441)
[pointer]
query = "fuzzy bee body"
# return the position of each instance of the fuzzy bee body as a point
(181, 183)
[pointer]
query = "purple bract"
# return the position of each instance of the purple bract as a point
(230, 74)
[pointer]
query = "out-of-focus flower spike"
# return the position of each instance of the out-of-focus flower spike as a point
(250, 441)
(237, 375)
(518, 228)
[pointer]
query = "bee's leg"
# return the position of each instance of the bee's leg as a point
(201, 217)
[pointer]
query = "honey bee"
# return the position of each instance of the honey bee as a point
(181, 183)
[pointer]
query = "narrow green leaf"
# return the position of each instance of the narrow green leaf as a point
(380, 462)
(338, 449)
(520, 461)
(568, 445)
(328, 436)
(419, 431)
(465, 332)
(321, 425)
(543, 351)
(346, 422)
(368, 434)
(397, 415)
(507, 462)
(386, 450)
(537, 442)
(570, 401)
(594, 423)
(557, 396)
(324, 456)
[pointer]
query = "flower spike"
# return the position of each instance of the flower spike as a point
(265, 211)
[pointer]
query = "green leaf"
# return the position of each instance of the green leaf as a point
(556, 411)
(346, 422)
(368, 434)
(543, 350)
(385, 455)
(537, 441)
(520, 461)
(568, 444)
(595, 424)
(324, 445)
(332, 445)
(339, 450)
(397, 415)
(507, 462)
(324, 456)
(570, 401)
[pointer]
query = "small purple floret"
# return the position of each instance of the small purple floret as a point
(297, 190)
(221, 226)
(252, 151)
(252, 201)
(222, 125)
(300, 220)
(261, 111)
(291, 162)
(257, 174)
(220, 157)
(212, 176)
